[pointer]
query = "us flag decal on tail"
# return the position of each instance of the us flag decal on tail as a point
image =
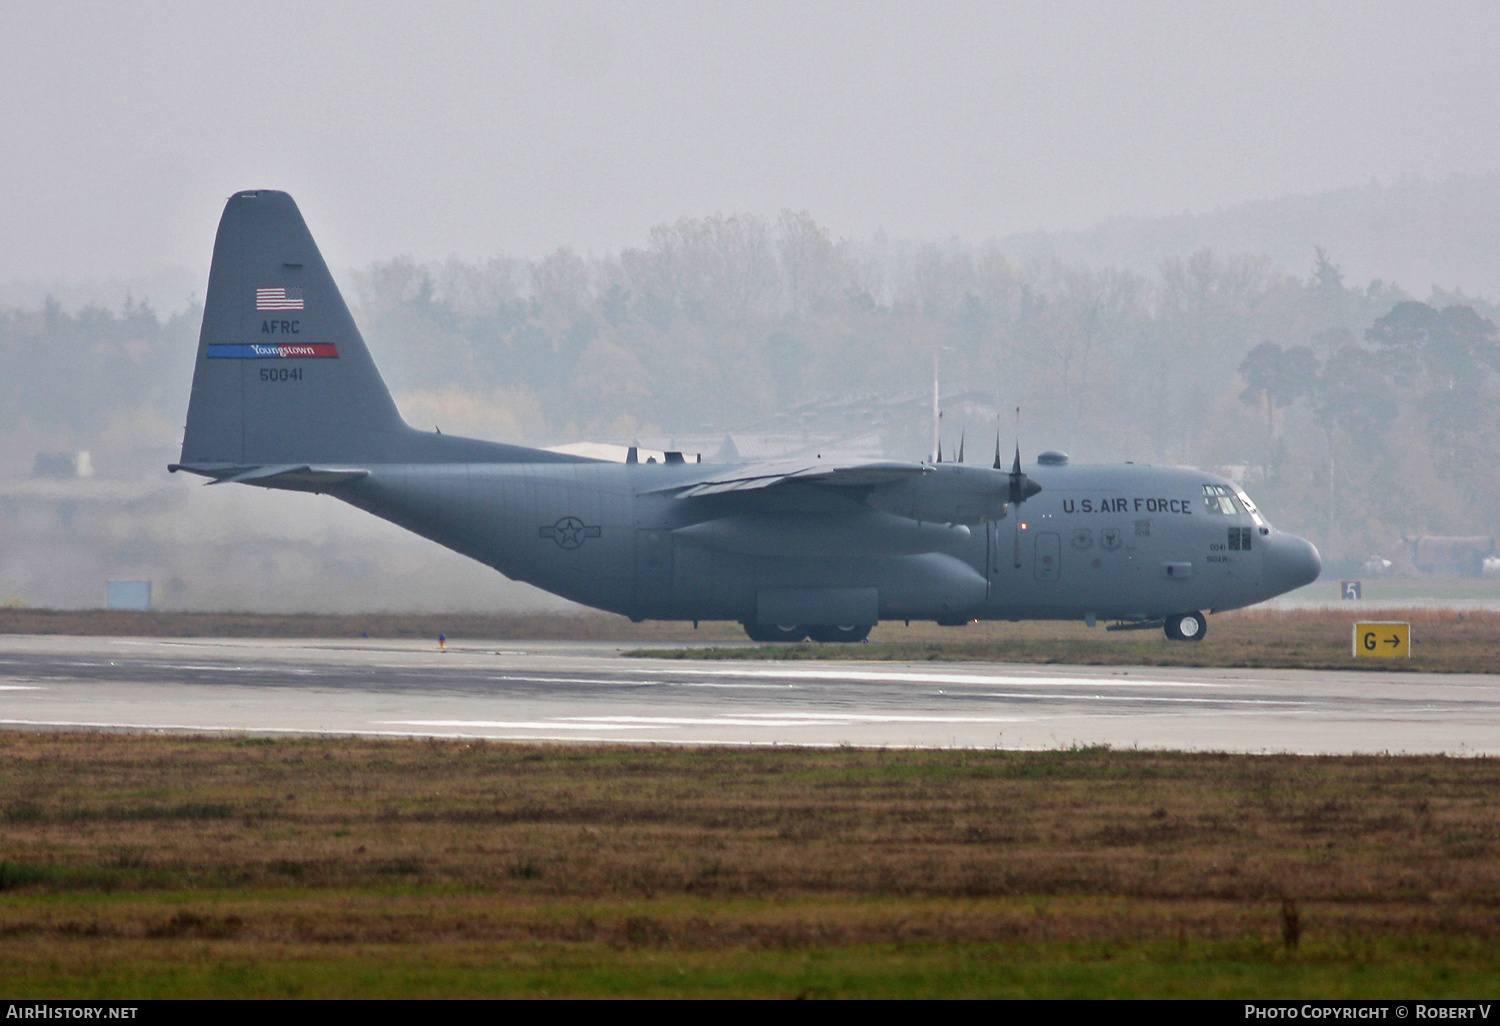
(278, 299)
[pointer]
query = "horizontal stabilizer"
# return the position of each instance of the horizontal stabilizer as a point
(298, 477)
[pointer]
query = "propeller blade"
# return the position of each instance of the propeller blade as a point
(1021, 486)
(961, 446)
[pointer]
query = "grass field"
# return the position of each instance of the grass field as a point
(158, 866)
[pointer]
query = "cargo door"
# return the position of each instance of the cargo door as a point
(653, 572)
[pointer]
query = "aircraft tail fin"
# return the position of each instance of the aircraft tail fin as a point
(282, 375)
(285, 394)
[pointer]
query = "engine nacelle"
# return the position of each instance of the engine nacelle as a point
(951, 494)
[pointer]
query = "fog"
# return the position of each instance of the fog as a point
(973, 179)
(474, 128)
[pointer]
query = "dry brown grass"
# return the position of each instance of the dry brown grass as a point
(128, 858)
(129, 813)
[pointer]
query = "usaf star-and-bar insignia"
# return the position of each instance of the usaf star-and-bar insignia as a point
(569, 532)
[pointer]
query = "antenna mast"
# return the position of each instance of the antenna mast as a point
(937, 416)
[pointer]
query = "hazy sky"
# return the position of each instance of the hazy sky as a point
(470, 129)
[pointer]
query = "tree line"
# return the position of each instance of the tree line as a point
(1355, 414)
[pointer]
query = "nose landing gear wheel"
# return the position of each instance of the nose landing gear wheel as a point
(774, 632)
(1186, 627)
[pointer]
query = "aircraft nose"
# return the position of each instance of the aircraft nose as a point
(1290, 562)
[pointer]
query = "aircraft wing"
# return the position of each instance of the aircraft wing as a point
(825, 473)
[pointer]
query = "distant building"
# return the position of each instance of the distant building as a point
(63, 464)
(1462, 556)
(128, 595)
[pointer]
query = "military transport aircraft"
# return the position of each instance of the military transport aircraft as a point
(285, 395)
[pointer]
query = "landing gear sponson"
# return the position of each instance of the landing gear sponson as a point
(844, 633)
(1180, 627)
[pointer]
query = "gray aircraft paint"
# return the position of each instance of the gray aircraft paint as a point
(285, 395)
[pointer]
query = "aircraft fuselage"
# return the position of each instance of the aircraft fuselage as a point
(1117, 542)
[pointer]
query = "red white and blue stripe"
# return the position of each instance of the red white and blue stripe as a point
(274, 351)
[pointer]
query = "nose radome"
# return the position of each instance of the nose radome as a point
(1291, 562)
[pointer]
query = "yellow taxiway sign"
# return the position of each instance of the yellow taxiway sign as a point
(1382, 639)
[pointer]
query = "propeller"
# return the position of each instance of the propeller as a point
(1021, 487)
(961, 446)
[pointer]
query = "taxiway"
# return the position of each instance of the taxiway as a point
(588, 692)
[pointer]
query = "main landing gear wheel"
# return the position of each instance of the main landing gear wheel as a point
(855, 633)
(1187, 627)
(774, 632)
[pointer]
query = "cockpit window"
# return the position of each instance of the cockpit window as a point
(1260, 521)
(1227, 500)
(1221, 499)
